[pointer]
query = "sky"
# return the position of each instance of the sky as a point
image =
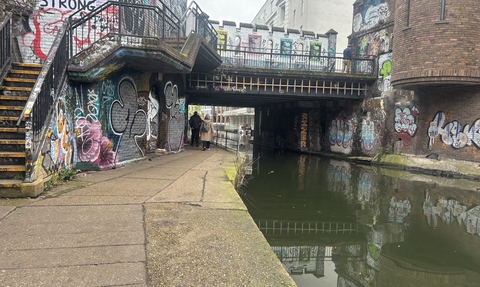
(232, 10)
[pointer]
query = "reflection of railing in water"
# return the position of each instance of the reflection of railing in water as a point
(296, 227)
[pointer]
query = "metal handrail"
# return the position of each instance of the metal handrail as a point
(200, 24)
(291, 60)
(115, 18)
(39, 107)
(5, 46)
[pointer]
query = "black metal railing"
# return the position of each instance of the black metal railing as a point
(195, 20)
(291, 60)
(128, 22)
(5, 46)
(38, 110)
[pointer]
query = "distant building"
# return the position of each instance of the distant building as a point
(312, 15)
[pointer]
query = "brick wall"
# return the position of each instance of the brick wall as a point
(431, 50)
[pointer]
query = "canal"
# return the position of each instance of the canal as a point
(335, 223)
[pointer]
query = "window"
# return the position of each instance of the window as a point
(442, 10)
(303, 6)
(408, 13)
(294, 17)
(282, 14)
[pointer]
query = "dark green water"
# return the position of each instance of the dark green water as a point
(334, 223)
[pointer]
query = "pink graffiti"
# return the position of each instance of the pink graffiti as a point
(405, 121)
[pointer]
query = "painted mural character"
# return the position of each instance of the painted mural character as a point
(206, 132)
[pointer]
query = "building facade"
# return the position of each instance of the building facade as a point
(309, 15)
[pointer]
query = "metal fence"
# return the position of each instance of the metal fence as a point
(291, 60)
(5, 45)
(196, 20)
(123, 19)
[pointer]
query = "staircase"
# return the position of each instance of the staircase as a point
(14, 92)
(175, 42)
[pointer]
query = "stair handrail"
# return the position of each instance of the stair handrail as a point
(164, 22)
(39, 108)
(5, 45)
(201, 25)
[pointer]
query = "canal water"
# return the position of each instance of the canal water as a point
(335, 223)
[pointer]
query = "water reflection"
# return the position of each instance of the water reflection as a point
(334, 223)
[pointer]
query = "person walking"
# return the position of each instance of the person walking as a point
(195, 122)
(206, 132)
(347, 59)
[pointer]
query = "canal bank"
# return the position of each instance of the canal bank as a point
(172, 220)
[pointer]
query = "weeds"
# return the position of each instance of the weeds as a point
(59, 178)
(242, 177)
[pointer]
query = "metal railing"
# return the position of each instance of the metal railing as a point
(231, 140)
(291, 60)
(5, 46)
(127, 21)
(39, 108)
(195, 20)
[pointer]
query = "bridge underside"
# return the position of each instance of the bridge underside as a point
(243, 90)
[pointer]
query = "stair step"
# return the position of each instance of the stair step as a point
(13, 98)
(12, 168)
(12, 154)
(27, 65)
(8, 118)
(12, 130)
(11, 142)
(17, 89)
(24, 72)
(10, 183)
(20, 80)
(11, 108)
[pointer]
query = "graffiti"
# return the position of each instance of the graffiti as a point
(384, 73)
(451, 133)
(127, 120)
(450, 209)
(304, 131)
(365, 187)
(373, 12)
(152, 119)
(368, 133)
(222, 39)
(230, 89)
(301, 172)
(399, 210)
(339, 178)
(405, 122)
(176, 124)
(43, 26)
(70, 5)
(254, 43)
(341, 135)
(285, 46)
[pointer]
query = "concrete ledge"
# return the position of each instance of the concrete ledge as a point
(32, 189)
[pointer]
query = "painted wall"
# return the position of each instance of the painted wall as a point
(105, 124)
(262, 39)
(39, 30)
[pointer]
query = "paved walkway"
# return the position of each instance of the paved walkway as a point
(174, 220)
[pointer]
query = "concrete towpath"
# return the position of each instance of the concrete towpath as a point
(173, 220)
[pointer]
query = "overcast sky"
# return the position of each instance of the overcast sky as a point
(232, 10)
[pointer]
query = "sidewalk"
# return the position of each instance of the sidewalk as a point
(174, 220)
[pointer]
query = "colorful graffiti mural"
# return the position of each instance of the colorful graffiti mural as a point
(451, 133)
(372, 13)
(176, 123)
(341, 135)
(368, 133)
(406, 122)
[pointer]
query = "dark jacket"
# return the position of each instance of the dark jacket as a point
(195, 121)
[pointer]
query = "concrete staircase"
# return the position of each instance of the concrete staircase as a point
(14, 92)
(176, 43)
